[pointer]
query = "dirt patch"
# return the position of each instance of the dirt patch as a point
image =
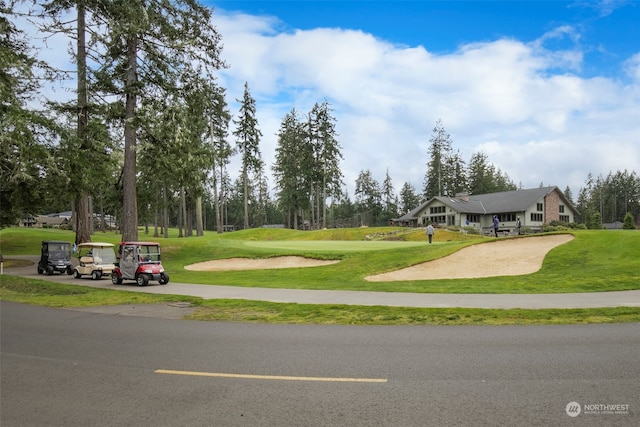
(510, 257)
(257, 264)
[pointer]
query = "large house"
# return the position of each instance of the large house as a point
(534, 207)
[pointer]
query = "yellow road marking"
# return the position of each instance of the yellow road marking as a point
(270, 377)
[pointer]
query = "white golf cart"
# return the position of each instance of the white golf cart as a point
(95, 259)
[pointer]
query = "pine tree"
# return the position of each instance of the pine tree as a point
(24, 131)
(292, 168)
(221, 152)
(248, 143)
(409, 200)
(368, 196)
(327, 177)
(170, 37)
(437, 178)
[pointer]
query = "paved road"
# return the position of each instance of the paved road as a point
(69, 368)
(498, 301)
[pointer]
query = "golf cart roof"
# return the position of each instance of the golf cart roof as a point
(57, 242)
(94, 245)
(140, 243)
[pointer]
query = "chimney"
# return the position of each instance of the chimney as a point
(463, 197)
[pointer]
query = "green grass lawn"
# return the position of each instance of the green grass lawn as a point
(50, 294)
(594, 261)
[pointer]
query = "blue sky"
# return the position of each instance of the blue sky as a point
(442, 26)
(549, 90)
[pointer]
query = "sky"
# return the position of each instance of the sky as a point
(548, 90)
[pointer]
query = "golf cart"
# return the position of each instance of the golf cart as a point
(139, 261)
(55, 256)
(95, 259)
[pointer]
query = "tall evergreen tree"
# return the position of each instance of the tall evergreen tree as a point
(438, 167)
(409, 199)
(292, 168)
(248, 136)
(483, 177)
(221, 152)
(145, 45)
(389, 197)
(327, 155)
(25, 153)
(368, 196)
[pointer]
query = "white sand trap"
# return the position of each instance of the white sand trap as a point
(257, 264)
(510, 257)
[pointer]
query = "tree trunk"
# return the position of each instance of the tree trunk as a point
(189, 219)
(181, 213)
(82, 220)
(199, 217)
(156, 219)
(129, 202)
(165, 212)
(216, 203)
(324, 200)
(245, 183)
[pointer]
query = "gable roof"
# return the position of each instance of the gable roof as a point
(505, 201)
(485, 204)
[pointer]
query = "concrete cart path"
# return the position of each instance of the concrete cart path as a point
(398, 299)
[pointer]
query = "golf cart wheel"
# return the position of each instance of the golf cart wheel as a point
(96, 275)
(40, 270)
(69, 271)
(164, 279)
(142, 279)
(115, 279)
(76, 274)
(49, 271)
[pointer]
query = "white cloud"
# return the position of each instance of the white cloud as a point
(632, 67)
(521, 103)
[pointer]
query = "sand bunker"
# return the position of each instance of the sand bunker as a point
(257, 264)
(510, 257)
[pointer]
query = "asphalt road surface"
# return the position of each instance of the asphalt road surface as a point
(72, 368)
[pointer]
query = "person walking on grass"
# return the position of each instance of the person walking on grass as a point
(496, 224)
(430, 232)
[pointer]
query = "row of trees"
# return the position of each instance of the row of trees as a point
(145, 91)
(609, 199)
(307, 165)
(447, 173)
(147, 138)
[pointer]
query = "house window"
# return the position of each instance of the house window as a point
(439, 219)
(507, 217)
(473, 218)
(536, 217)
(561, 208)
(564, 218)
(436, 209)
(539, 208)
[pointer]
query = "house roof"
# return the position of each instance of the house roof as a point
(485, 204)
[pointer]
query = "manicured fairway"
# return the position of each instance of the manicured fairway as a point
(331, 246)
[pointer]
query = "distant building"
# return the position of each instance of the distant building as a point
(616, 225)
(534, 207)
(45, 221)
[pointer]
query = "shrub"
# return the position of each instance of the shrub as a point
(471, 230)
(628, 223)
